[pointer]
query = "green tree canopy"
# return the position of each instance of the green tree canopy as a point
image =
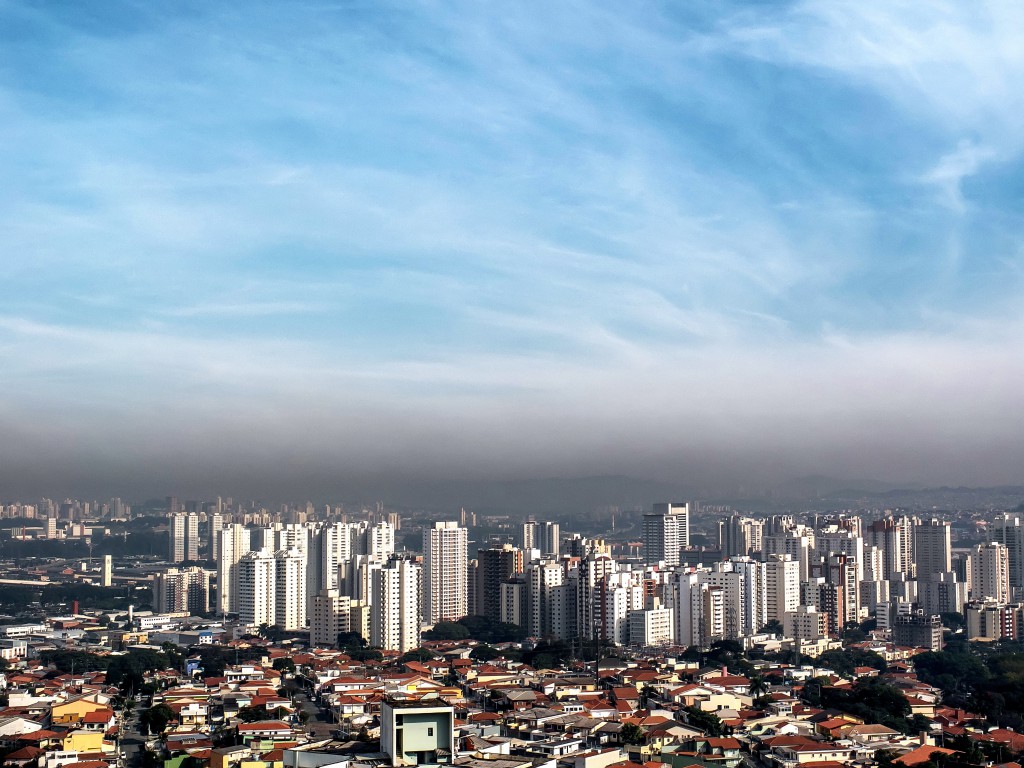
(156, 718)
(447, 630)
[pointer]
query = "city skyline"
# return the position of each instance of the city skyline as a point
(722, 245)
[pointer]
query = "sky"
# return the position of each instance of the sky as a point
(277, 247)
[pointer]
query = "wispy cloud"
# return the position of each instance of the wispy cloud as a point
(449, 220)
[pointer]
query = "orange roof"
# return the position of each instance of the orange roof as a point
(921, 755)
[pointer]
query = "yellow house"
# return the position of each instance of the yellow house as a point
(82, 741)
(73, 711)
(261, 764)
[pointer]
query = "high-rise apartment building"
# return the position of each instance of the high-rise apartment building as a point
(494, 567)
(215, 521)
(542, 577)
(257, 594)
(797, 541)
(990, 573)
(666, 531)
(932, 548)
(290, 589)
(444, 572)
(740, 536)
(235, 541)
(396, 617)
(1008, 531)
(782, 586)
(182, 590)
(894, 537)
(183, 537)
(331, 617)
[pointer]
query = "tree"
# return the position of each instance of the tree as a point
(351, 640)
(708, 722)
(156, 718)
(484, 653)
(844, 662)
(632, 733)
(489, 631)
(253, 714)
(416, 654)
(272, 633)
(447, 630)
(773, 627)
(758, 686)
(284, 664)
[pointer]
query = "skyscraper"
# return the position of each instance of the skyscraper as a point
(444, 572)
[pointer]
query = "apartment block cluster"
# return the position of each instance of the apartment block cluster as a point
(806, 580)
(66, 520)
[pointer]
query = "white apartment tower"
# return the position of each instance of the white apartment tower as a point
(666, 531)
(290, 589)
(782, 586)
(395, 620)
(331, 617)
(1008, 531)
(257, 594)
(444, 572)
(894, 536)
(234, 543)
(990, 573)
(796, 541)
(183, 537)
(542, 577)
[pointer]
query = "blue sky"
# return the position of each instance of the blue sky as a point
(728, 239)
